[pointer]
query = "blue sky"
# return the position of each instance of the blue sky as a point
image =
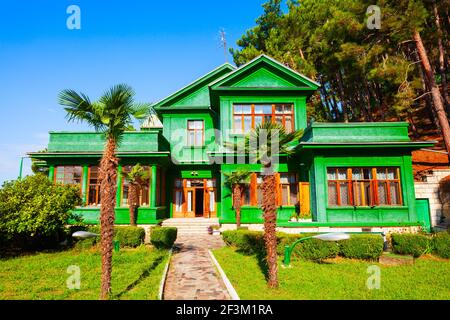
(154, 46)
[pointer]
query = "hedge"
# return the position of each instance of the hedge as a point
(249, 242)
(412, 244)
(128, 236)
(441, 245)
(362, 246)
(163, 237)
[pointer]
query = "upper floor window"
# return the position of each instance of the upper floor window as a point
(69, 175)
(249, 116)
(364, 186)
(195, 132)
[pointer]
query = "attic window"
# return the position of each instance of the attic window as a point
(195, 133)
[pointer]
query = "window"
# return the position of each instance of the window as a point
(69, 175)
(249, 116)
(195, 133)
(94, 187)
(144, 199)
(364, 186)
(179, 195)
(287, 191)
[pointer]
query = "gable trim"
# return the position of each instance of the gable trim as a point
(313, 85)
(194, 83)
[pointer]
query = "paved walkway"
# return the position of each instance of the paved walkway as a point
(192, 274)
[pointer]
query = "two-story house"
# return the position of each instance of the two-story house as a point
(343, 175)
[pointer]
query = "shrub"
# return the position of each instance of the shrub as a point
(317, 250)
(162, 237)
(128, 236)
(34, 211)
(362, 246)
(252, 242)
(248, 242)
(441, 245)
(87, 243)
(413, 244)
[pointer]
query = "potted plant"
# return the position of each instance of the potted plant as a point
(216, 230)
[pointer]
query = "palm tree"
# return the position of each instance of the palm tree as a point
(237, 180)
(137, 177)
(112, 114)
(263, 144)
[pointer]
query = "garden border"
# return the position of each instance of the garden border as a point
(164, 277)
(231, 291)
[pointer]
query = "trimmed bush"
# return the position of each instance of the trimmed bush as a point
(317, 250)
(252, 242)
(362, 246)
(162, 237)
(249, 242)
(412, 244)
(441, 245)
(128, 236)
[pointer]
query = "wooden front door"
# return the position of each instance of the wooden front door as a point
(194, 198)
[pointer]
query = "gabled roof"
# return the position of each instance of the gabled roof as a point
(198, 87)
(264, 72)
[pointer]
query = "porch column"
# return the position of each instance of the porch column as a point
(119, 185)
(84, 185)
(51, 173)
(153, 187)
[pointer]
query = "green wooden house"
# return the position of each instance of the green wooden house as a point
(341, 175)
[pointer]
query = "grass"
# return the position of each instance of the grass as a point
(136, 275)
(339, 278)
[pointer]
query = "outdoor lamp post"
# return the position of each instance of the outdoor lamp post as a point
(84, 235)
(21, 166)
(87, 235)
(325, 237)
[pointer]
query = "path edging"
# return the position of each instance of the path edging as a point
(164, 277)
(231, 291)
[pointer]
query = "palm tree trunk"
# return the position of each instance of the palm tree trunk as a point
(108, 173)
(270, 223)
(237, 203)
(133, 199)
(435, 93)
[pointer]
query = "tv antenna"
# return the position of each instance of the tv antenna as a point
(223, 41)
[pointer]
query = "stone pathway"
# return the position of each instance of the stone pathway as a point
(192, 274)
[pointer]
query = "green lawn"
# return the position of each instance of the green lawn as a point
(136, 275)
(428, 278)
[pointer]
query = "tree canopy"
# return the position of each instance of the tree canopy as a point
(366, 74)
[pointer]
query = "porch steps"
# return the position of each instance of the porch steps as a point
(191, 226)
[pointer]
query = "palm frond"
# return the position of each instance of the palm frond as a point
(237, 177)
(112, 114)
(266, 140)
